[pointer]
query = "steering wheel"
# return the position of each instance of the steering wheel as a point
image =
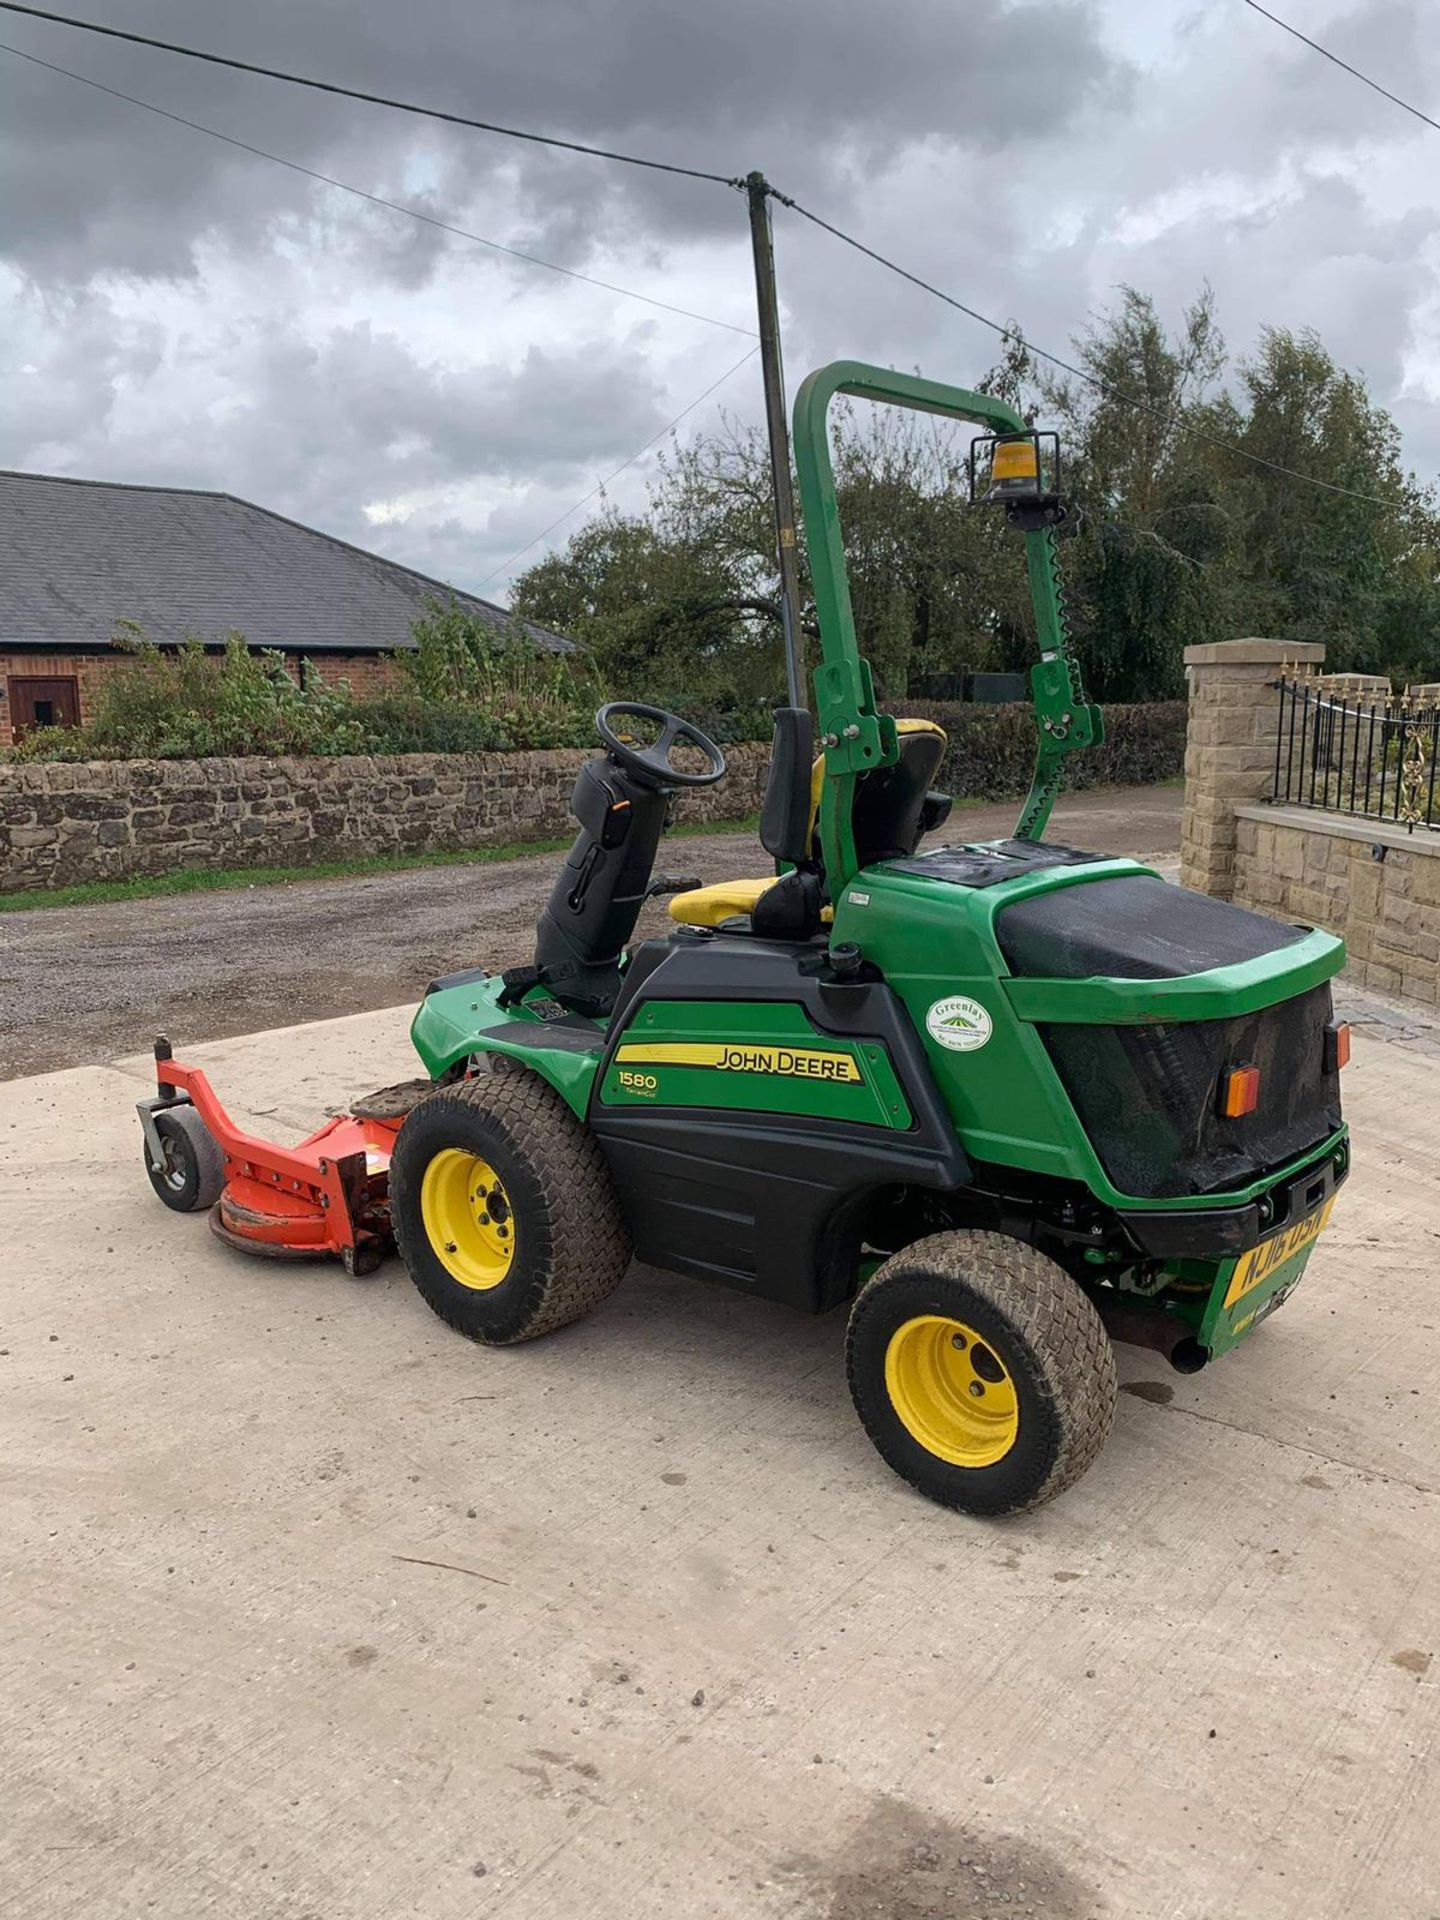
(653, 762)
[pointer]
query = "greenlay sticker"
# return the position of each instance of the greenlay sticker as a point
(959, 1023)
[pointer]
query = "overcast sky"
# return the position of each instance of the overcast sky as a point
(173, 310)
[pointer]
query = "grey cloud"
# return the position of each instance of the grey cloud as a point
(793, 88)
(997, 149)
(65, 391)
(364, 391)
(1240, 96)
(319, 431)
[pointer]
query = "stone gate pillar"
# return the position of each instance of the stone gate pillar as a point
(1234, 713)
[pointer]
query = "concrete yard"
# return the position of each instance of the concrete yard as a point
(313, 1611)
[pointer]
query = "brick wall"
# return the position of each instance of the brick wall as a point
(1375, 884)
(110, 819)
(369, 675)
(88, 670)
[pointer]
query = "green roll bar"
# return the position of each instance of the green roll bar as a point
(854, 736)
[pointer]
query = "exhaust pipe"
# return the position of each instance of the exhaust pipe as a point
(1149, 1327)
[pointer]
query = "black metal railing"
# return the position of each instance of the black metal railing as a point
(1369, 754)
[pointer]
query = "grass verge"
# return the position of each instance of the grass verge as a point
(99, 893)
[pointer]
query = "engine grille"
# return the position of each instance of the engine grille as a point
(1147, 1096)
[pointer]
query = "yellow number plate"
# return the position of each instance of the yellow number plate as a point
(1260, 1262)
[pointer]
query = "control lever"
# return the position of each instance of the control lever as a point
(664, 883)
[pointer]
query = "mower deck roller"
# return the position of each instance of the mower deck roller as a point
(1004, 1102)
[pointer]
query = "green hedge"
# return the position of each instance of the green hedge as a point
(992, 749)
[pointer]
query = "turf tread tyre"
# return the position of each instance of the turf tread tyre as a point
(199, 1162)
(1047, 1332)
(572, 1248)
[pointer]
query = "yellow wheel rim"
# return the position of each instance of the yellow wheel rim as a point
(951, 1391)
(468, 1220)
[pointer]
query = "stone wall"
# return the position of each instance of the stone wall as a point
(111, 819)
(1368, 880)
(1373, 883)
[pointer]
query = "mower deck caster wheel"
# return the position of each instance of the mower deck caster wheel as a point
(192, 1173)
(981, 1372)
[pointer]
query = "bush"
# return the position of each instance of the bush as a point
(185, 705)
(52, 743)
(536, 699)
(992, 749)
(470, 695)
(403, 723)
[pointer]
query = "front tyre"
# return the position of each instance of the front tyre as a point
(503, 1209)
(981, 1372)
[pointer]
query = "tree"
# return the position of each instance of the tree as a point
(659, 610)
(1176, 540)
(686, 597)
(1144, 573)
(1354, 568)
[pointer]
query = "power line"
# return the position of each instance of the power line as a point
(1344, 65)
(373, 99)
(601, 485)
(1092, 380)
(376, 199)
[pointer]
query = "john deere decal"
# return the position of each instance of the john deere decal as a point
(959, 1023)
(806, 1063)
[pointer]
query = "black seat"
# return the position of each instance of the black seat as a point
(894, 805)
(894, 808)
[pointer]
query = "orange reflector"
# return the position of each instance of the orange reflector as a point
(1239, 1092)
(1015, 460)
(1337, 1046)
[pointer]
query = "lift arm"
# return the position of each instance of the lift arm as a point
(855, 737)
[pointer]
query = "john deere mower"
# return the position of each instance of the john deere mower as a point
(1007, 1100)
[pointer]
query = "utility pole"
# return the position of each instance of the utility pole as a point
(757, 190)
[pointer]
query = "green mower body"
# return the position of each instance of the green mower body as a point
(779, 1129)
(1040, 1069)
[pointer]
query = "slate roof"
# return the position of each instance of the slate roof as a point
(78, 555)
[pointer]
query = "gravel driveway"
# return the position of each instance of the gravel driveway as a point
(85, 983)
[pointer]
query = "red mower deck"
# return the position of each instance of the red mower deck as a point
(329, 1194)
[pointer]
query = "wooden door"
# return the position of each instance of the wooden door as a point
(43, 703)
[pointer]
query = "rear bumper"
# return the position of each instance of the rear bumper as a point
(1219, 1233)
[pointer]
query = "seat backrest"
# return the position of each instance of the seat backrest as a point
(890, 801)
(598, 893)
(786, 816)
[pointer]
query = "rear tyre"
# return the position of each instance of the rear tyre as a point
(981, 1372)
(504, 1211)
(192, 1172)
